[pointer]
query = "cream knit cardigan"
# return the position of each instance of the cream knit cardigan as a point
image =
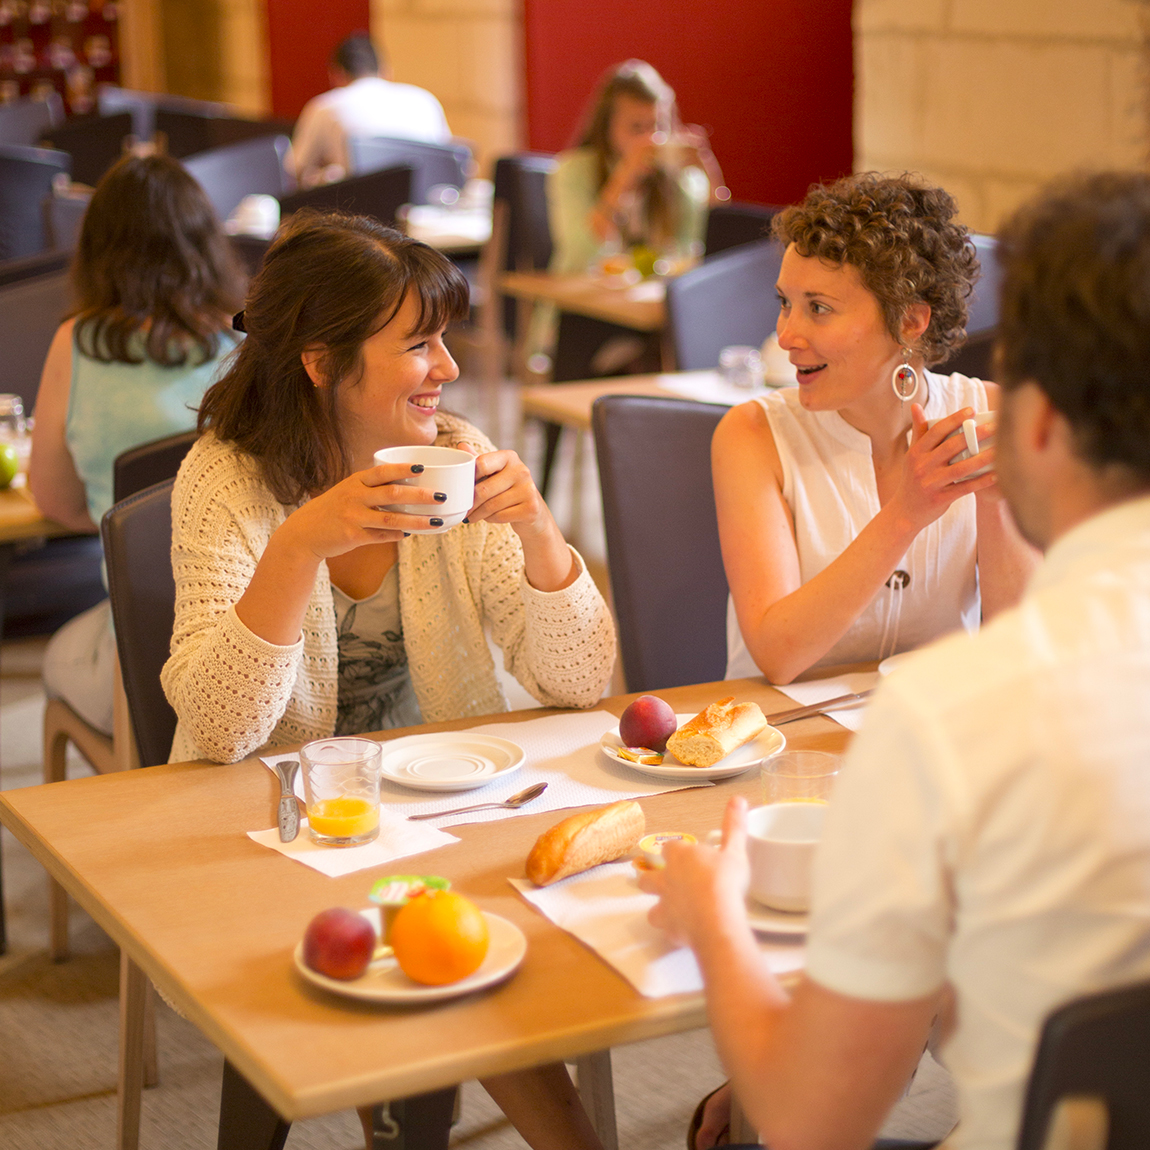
(235, 693)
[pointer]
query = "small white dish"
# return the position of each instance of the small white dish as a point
(889, 664)
(766, 743)
(383, 981)
(451, 761)
(765, 920)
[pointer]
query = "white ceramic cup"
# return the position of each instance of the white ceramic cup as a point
(781, 842)
(447, 469)
(968, 432)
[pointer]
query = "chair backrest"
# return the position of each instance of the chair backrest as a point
(431, 164)
(149, 464)
(191, 126)
(31, 308)
(141, 106)
(26, 176)
(670, 599)
(25, 121)
(520, 204)
(95, 143)
(976, 356)
(1095, 1046)
(378, 194)
(733, 224)
(251, 167)
(137, 538)
(64, 212)
(727, 300)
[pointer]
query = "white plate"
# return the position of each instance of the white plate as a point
(766, 743)
(383, 981)
(767, 921)
(888, 665)
(452, 761)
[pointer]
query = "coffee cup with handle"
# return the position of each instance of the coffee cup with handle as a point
(447, 469)
(781, 843)
(969, 434)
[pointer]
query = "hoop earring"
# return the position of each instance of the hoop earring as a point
(904, 379)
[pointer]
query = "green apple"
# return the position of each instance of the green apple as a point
(9, 465)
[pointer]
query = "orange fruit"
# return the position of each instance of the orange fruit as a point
(439, 937)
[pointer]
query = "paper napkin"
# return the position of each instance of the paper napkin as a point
(605, 909)
(819, 690)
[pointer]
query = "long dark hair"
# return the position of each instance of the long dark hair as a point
(331, 281)
(152, 258)
(637, 79)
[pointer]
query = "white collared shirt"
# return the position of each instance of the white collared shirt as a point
(991, 826)
(369, 106)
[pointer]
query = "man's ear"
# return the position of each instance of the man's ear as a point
(312, 358)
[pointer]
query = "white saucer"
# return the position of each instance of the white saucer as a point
(451, 761)
(765, 920)
(766, 743)
(383, 981)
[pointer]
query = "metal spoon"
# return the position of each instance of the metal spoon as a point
(532, 792)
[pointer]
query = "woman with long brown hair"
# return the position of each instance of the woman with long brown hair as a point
(303, 604)
(155, 285)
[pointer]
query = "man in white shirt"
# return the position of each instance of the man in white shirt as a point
(361, 103)
(988, 844)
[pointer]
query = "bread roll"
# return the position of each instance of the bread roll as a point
(584, 841)
(716, 732)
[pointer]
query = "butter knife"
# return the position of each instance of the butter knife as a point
(816, 708)
(289, 808)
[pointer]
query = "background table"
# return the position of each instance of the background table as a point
(159, 857)
(640, 306)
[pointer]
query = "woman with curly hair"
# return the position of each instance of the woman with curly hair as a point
(845, 532)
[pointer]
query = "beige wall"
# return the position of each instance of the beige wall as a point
(468, 53)
(244, 77)
(989, 98)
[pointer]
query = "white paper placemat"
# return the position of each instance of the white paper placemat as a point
(562, 751)
(397, 839)
(819, 690)
(607, 912)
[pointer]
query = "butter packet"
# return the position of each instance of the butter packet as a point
(394, 890)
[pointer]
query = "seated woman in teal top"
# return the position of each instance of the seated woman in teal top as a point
(156, 285)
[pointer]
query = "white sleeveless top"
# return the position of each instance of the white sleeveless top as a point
(829, 485)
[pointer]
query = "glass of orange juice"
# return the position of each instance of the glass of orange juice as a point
(799, 776)
(341, 790)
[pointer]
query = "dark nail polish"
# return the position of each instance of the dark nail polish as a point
(466, 520)
(441, 497)
(436, 522)
(416, 468)
(407, 535)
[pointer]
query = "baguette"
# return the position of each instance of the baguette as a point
(586, 840)
(716, 732)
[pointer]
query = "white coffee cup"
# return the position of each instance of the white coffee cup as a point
(446, 469)
(781, 842)
(969, 433)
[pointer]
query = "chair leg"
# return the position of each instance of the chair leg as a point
(55, 771)
(247, 1122)
(597, 1090)
(552, 431)
(151, 1061)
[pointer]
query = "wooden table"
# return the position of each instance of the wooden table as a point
(20, 520)
(570, 404)
(641, 307)
(160, 859)
(455, 231)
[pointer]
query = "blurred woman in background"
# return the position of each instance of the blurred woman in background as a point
(155, 285)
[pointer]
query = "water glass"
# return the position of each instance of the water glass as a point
(799, 777)
(341, 790)
(742, 366)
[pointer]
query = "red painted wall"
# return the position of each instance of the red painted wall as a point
(772, 79)
(302, 35)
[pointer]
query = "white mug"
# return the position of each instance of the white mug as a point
(969, 433)
(447, 469)
(781, 842)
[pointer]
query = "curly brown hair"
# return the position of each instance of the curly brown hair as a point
(899, 232)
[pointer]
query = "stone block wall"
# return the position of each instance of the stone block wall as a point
(990, 98)
(469, 54)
